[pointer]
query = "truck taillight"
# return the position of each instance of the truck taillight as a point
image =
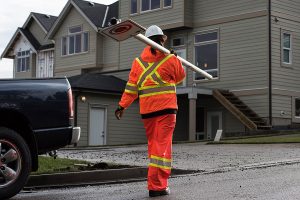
(71, 107)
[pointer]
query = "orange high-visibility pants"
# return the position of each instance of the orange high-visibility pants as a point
(159, 131)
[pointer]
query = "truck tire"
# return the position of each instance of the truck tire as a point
(15, 163)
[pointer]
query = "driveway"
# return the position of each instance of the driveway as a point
(194, 156)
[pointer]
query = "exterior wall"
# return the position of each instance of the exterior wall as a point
(111, 52)
(23, 45)
(285, 78)
(74, 63)
(214, 9)
(243, 50)
(182, 122)
(37, 32)
(229, 123)
(172, 17)
(129, 130)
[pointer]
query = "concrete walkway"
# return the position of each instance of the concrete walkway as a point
(194, 156)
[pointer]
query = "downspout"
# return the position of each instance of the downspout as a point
(270, 62)
(75, 107)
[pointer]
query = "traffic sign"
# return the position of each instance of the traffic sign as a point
(123, 30)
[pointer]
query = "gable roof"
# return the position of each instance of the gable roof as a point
(46, 21)
(98, 82)
(94, 13)
(43, 20)
(29, 37)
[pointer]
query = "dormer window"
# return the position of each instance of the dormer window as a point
(75, 42)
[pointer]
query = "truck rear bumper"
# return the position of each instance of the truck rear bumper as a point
(75, 135)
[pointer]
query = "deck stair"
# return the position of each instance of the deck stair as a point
(240, 110)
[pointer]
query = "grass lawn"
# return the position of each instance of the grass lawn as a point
(293, 138)
(49, 165)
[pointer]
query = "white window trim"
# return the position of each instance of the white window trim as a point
(205, 43)
(295, 118)
(68, 42)
(284, 64)
(139, 7)
(20, 57)
(150, 10)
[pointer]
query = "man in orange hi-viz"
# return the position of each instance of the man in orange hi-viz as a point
(152, 79)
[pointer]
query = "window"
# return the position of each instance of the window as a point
(297, 108)
(76, 42)
(133, 6)
(286, 48)
(176, 42)
(206, 53)
(150, 4)
(23, 61)
(167, 3)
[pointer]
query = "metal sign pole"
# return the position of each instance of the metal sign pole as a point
(153, 44)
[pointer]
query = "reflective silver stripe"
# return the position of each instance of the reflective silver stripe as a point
(132, 88)
(160, 162)
(155, 78)
(143, 62)
(158, 89)
(148, 71)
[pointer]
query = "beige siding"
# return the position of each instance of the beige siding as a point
(37, 32)
(285, 77)
(32, 70)
(84, 60)
(110, 54)
(280, 104)
(258, 103)
(213, 9)
(288, 9)
(128, 130)
(243, 54)
(169, 17)
(129, 50)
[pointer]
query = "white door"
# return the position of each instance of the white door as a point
(182, 54)
(97, 126)
(214, 122)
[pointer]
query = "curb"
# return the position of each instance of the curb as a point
(95, 177)
(126, 175)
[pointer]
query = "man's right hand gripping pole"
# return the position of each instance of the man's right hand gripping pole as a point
(119, 112)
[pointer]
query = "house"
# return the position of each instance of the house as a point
(251, 49)
(33, 55)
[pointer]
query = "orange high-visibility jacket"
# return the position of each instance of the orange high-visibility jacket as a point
(153, 79)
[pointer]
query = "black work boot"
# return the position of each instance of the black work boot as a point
(153, 193)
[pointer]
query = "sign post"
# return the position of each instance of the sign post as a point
(129, 28)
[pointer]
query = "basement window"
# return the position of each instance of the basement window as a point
(297, 108)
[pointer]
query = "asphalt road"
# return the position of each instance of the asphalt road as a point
(269, 183)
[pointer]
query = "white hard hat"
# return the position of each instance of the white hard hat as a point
(154, 30)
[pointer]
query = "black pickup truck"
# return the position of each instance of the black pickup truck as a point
(36, 117)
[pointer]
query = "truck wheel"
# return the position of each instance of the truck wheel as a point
(15, 163)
